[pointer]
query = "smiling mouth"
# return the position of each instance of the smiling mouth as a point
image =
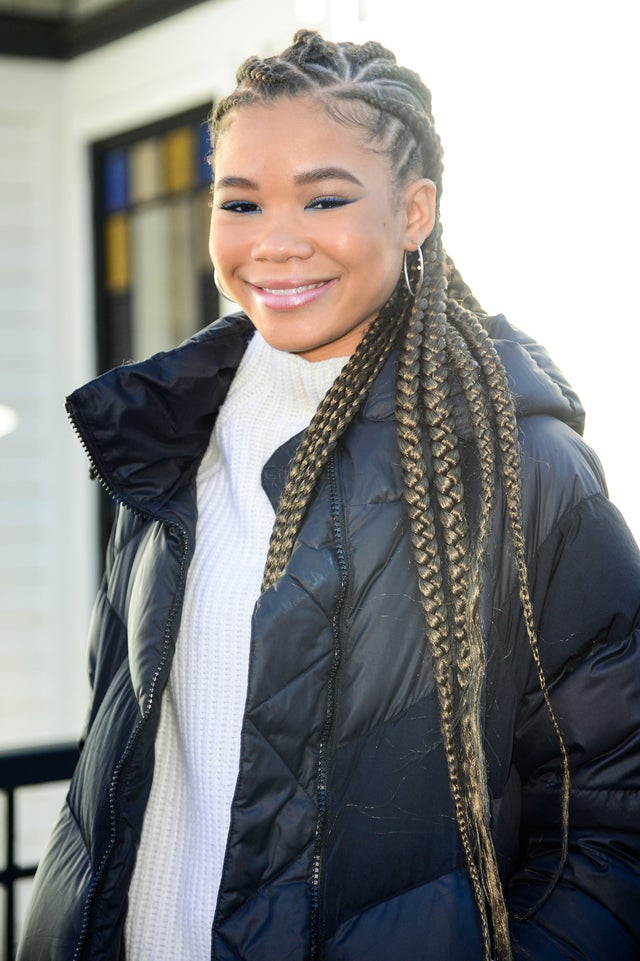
(280, 297)
(292, 291)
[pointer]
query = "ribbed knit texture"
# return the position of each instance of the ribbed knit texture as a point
(175, 883)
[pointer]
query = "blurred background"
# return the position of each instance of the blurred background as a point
(103, 209)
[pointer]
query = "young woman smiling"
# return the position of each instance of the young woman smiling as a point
(365, 660)
(308, 233)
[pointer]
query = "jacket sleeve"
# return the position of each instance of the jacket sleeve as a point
(107, 647)
(586, 590)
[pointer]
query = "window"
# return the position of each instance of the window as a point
(154, 280)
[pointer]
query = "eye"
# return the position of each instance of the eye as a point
(239, 207)
(327, 203)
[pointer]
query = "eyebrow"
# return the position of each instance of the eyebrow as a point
(306, 177)
(326, 173)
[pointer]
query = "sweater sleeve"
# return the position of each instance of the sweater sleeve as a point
(587, 594)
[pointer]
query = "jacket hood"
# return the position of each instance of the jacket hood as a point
(145, 426)
(537, 384)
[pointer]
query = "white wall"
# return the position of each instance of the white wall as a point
(49, 114)
(40, 682)
(536, 104)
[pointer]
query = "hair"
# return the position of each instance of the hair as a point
(441, 340)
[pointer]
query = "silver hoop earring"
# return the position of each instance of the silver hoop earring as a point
(413, 292)
(219, 286)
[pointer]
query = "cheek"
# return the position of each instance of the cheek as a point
(221, 245)
(355, 245)
(212, 243)
(342, 244)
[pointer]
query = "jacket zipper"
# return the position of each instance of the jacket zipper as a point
(172, 527)
(337, 523)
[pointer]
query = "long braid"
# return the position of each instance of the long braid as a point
(467, 647)
(335, 412)
(440, 633)
(507, 435)
(471, 656)
(471, 653)
(440, 338)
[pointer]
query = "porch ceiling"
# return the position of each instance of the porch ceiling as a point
(62, 29)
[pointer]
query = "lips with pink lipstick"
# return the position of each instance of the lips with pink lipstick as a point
(290, 294)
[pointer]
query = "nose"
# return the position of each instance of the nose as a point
(280, 238)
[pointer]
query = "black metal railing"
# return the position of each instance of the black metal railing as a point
(20, 768)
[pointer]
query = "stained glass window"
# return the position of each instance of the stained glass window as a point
(154, 282)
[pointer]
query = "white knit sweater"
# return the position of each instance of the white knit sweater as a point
(175, 883)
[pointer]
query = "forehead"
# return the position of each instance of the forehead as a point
(291, 132)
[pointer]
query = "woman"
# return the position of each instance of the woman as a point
(404, 750)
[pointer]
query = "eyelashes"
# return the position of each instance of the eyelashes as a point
(328, 203)
(239, 207)
(319, 203)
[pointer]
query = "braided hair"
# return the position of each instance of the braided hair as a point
(441, 339)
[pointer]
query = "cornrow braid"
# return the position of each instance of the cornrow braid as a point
(441, 341)
(386, 100)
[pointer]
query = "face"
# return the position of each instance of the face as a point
(308, 229)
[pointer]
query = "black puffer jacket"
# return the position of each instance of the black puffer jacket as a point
(343, 845)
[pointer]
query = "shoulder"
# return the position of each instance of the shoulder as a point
(558, 470)
(536, 382)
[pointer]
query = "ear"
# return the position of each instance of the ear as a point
(420, 212)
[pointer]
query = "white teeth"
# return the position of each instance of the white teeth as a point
(290, 291)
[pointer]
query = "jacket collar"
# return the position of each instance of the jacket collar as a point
(146, 425)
